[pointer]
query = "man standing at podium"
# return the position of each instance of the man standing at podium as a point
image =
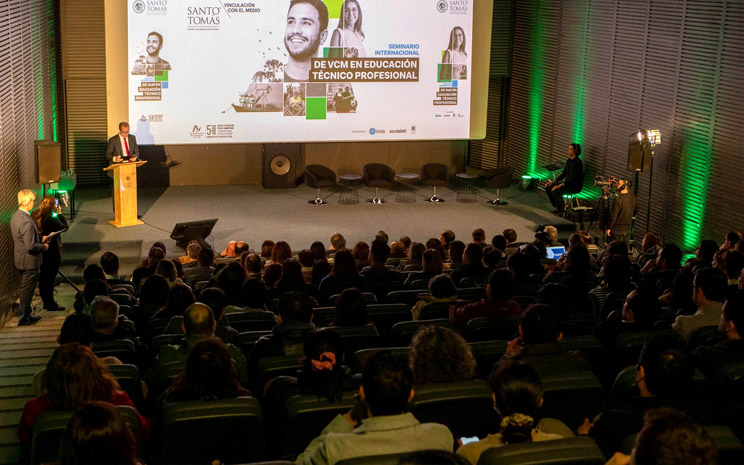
(122, 147)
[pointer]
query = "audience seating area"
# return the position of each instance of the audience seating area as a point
(238, 430)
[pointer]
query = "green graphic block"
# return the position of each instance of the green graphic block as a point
(334, 8)
(315, 108)
(161, 76)
(444, 72)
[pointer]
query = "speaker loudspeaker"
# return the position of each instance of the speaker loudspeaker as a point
(48, 161)
(283, 165)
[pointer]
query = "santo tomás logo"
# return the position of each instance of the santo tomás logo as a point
(442, 6)
(138, 6)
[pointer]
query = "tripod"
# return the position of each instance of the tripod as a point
(68, 281)
(604, 204)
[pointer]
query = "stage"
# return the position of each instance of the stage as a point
(253, 214)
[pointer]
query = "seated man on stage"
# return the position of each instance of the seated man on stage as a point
(572, 179)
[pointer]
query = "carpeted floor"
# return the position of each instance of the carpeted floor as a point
(251, 213)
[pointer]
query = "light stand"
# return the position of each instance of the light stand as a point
(654, 139)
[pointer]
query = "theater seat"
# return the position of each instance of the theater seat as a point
(581, 450)
(472, 294)
(436, 310)
(368, 297)
(590, 347)
(489, 328)
(129, 379)
(384, 316)
(705, 336)
(307, 416)
(323, 316)
(270, 367)
(357, 337)
(251, 321)
(228, 430)
(625, 350)
(730, 450)
(248, 339)
(49, 431)
(571, 396)
(402, 333)
(466, 407)
(159, 342)
(360, 356)
(408, 297)
(486, 354)
(387, 459)
(123, 349)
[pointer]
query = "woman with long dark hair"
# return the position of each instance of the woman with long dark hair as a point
(48, 218)
(343, 276)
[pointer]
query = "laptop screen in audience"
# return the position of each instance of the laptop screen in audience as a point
(556, 252)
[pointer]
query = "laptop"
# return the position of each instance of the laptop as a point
(556, 252)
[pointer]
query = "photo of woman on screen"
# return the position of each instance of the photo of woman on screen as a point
(456, 54)
(349, 34)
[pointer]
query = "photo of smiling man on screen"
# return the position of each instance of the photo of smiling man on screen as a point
(306, 30)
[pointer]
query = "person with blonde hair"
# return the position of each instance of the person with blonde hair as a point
(27, 253)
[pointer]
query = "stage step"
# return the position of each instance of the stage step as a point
(78, 255)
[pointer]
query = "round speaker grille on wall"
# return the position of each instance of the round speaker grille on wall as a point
(280, 165)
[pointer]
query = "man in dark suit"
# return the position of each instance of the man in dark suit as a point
(27, 250)
(571, 181)
(122, 147)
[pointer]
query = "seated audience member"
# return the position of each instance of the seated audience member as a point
(214, 298)
(153, 298)
(663, 375)
(472, 266)
(615, 282)
(639, 313)
(192, 253)
(552, 233)
(280, 253)
(209, 374)
(338, 242)
(253, 267)
(441, 289)
(108, 325)
(455, 252)
(511, 241)
(323, 372)
(167, 269)
(92, 289)
(524, 282)
(318, 250)
(343, 276)
(76, 328)
(306, 259)
(436, 244)
(659, 274)
(704, 254)
(180, 297)
(491, 257)
(110, 264)
(97, 433)
(198, 324)
(537, 343)
(381, 279)
(432, 266)
(271, 274)
(499, 242)
(711, 358)
(147, 267)
(204, 267)
(709, 292)
(228, 255)
(439, 355)
(266, 247)
(669, 437)
(386, 428)
(231, 280)
(497, 302)
(382, 236)
(535, 253)
(732, 264)
(678, 299)
(731, 240)
(73, 377)
(517, 397)
(254, 297)
(286, 338)
(406, 241)
(321, 269)
(397, 254)
(351, 309)
(415, 255)
(479, 237)
(650, 246)
(577, 277)
(361, 255)
(445, 239)
(291, 280)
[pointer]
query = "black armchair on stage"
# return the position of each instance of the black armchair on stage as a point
(378, 175)
(499, 178)
(435, 174)
(319, 176)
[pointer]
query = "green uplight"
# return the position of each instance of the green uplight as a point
(537, 83)
(580, 83)
(526, 177)
(695, 170)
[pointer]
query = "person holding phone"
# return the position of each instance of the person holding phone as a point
(48, 219)
(27, 250)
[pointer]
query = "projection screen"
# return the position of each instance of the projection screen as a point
(202, 71)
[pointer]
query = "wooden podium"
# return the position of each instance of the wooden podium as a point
(125, 193)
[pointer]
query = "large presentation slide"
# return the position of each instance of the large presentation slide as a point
(215, 71)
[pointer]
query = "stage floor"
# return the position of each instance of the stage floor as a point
(253, 214)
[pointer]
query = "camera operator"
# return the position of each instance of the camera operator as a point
(621, 215)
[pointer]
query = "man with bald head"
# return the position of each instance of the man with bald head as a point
(198, 324)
